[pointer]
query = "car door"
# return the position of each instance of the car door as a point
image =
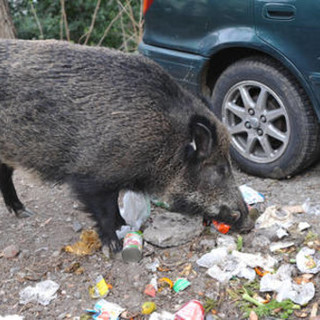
(292, 27)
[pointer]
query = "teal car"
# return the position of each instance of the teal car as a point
(258, 61)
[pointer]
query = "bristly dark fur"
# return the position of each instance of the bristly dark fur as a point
(103, 121)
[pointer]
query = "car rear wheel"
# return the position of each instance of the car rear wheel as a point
(274, 130)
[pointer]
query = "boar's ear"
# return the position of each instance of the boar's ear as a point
(202, 140)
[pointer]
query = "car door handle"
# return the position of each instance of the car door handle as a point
(279, 11)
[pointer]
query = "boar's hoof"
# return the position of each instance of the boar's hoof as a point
(24, 213)
(114, 245)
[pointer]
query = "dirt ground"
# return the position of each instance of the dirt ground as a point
(41, 238)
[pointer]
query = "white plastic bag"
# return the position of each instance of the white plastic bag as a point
(134, 208)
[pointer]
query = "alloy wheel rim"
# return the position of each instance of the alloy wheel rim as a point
(257, 121)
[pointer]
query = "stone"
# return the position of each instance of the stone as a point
(170, 229)
(11, 251)
(76, 226)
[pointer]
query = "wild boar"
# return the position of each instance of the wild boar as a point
(103, 121)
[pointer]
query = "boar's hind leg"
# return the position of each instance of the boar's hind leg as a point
(103, 205)
(9, 193)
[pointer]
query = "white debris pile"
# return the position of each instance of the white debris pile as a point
(42, 293)
(223, 263)
(282, 283)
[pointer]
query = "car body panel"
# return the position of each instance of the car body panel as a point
(183, 36)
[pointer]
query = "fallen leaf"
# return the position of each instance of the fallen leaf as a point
(186, 270)
(253, 316)
(301, 314)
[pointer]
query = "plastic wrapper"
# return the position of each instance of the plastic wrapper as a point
(307, 261)
(250, 195)
(193, 310)
(164, 315)
(148, 307)
(275, 215)
(44, 292)
(104, 310)
(181, 284)
(100, 289)
(223, 265)
(134, 208)
(282, 283)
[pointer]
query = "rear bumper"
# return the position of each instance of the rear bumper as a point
(186, 68)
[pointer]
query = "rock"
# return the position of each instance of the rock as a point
(260, 243)
(170, 229)
(76, 226)
(11, 251)
(303, 226)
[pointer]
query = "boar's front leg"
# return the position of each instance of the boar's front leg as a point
(102, 203)
(9, 193)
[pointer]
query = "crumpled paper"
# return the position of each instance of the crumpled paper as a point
(42, 293)
(282, 283)
(223, 265)
(307, 262)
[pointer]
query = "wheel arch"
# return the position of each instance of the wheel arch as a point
(224, 56)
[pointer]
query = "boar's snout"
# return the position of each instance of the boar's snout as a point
(242, 221)
(238, 218)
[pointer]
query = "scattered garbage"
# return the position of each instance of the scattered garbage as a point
(302, 226)
(171, 229)
(275, 215)
(164, 315)
(150, 290)
(44, 292)
(181, 284)
(11, 317)
(105, 310)
(221, 227)
(281, 233)
(132, 247)
(311, 208)
(227, 242)
(223, 265)
(215, 256)
(153, 266)
(88, 244)
(250, 195)
(282, 283)
(192, 310)
(308, 261)
(100, 289)
(163, 282)
(275, 246)
(134, 208)
(148, 307)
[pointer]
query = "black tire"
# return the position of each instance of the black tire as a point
(296, 143)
